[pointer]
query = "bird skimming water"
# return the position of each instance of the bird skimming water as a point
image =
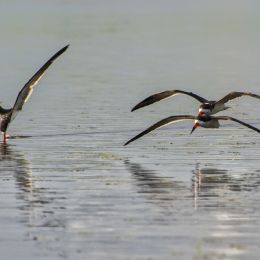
(202, 120)
(8, 115)
(207, 107)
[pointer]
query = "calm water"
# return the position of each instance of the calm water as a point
(70, 190)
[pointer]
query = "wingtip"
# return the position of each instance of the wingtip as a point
(128, 142)
(135, 108)
(62, 50)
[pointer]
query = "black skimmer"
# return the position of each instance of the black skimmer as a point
(207, 107)
(8, 115)
(202, 120)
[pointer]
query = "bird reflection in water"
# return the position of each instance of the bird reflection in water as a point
(207, 178)
(212, 182)
(19, 165)
(30, 196)
(160, 190)
(35, 203)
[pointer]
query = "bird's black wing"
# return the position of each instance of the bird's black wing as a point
(165, 94)
(238, 121)
(27, 90)
(233, 95)
(163, 122)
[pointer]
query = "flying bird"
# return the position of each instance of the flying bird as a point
(8, 115)
(202, 120)
(207, 107)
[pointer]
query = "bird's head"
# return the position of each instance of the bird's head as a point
(205, 108)
(203, 117)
